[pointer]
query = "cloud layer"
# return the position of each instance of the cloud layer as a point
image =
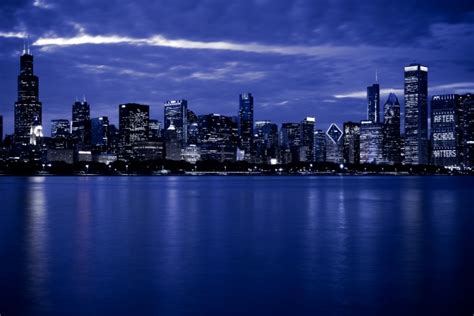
(298, 57)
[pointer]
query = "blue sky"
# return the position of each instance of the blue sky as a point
(298, 58)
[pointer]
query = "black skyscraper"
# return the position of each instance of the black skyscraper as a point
(27, 107)
(134, 123)
(246, 124)
(373, 103)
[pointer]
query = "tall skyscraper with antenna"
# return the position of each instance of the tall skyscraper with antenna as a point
(373, 101)
(28, 108)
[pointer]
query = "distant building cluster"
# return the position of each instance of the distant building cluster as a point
(183, 135)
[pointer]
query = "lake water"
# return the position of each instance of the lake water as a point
(236, 245)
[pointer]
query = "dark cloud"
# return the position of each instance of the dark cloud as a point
(348, 40)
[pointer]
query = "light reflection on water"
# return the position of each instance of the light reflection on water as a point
(171, 245)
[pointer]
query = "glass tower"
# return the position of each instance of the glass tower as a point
(416, 114)
(176, 114)
(245, 124)
(391, 131)
(373, 103)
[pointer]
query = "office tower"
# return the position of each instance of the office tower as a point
(60, 133)
(391, 131)
(373, 103)
(28, 108)
(446, 130)
(176, 114)
(218, 137)
(290, 142)
(155, 130)
(416, 114)
(133, 123)
(265, 141)
(100, 133)
(371, 139)
(334, 144)
(173, 143)
(193, 128)
(351, 142)
(307, 139)
(81, 125)
(245, 124)
(467, 104)
(319, 146)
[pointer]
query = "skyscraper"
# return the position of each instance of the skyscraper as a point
(373, 103)
(351, 142)
(133, 123)
(391, 131)
(81, 124)
(155, 130)
(319, 146)
(416, 114)
(28, 108)
(60, 133)
(290, 142)
(100, 133)
(334, 144)
(245, 124)
(218, 137)
(446, 130)
(176, 114)
(307, 139)
(467, 103)
(265, 141)
(371, 138)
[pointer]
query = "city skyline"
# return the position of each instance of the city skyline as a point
(313, 60)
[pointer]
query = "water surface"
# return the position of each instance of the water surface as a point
(236, 245)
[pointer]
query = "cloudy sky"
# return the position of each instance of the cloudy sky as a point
(298, 57)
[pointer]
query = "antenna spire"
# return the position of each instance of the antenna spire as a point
(376, 75)
(84, 98)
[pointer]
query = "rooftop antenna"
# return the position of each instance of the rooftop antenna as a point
(77, 99)
(376, 75)
(24, 46)
(28, 44)
(84, 98)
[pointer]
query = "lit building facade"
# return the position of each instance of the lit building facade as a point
(391, 148)
(290, 142)
(373, 103)
(81, 125)
(100, 133)
(176, 114)
(265, 141)
(133, 123)
(416, 114)
(307, 139)
(319, 146)
(218, 137)
(60, 133)
(245, 124)
(334, 144)
(28, 108)
(467, 103)
(371, 138)
(351, 142)
(446, 130)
